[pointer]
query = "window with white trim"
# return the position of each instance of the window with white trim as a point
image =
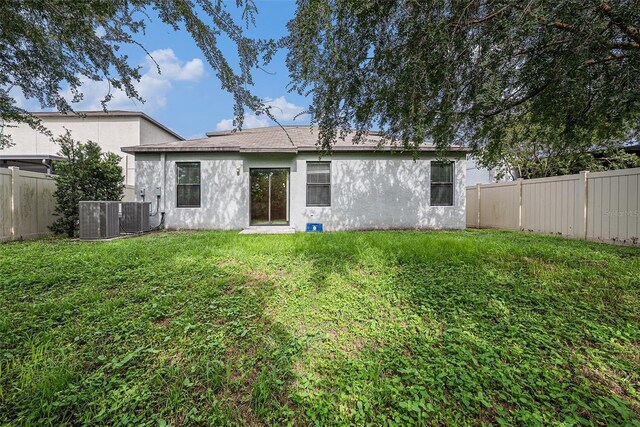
(318, 183)
(188, 184)
(441, 183)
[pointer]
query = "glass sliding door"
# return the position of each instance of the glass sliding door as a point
(269, 196)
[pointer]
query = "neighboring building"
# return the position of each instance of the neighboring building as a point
(633, 149)
(603, 154)
(476, 174)
(42, 163)
(479, 175)
(267, 176)
(110, 130)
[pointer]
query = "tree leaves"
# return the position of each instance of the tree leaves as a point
(46, 45)
(463, 71)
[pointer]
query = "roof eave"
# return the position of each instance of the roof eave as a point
(146, 149)
(292, 150)
(31, 157)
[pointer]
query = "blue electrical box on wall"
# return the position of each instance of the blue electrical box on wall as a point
(313, 227)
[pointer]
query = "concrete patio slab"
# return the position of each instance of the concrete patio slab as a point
(267, 229)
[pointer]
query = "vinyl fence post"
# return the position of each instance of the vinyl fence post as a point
(15, 195)
(478, 188)
(519, 204)
(584, 183)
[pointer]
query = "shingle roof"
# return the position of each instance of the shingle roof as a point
(110, 113)
(291, 139)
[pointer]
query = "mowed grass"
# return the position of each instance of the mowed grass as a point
(370, 328)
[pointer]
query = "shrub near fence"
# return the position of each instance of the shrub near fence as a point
(600, 206)
(27, 203)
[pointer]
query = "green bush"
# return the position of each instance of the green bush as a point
(87, 174)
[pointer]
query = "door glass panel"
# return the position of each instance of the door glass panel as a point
(269, 196)
(259, 196)
(279, 179)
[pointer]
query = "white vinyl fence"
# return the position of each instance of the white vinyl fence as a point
(27, 203)
(600, 206)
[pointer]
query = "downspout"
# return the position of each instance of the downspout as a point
(163, 160)
(162, 195)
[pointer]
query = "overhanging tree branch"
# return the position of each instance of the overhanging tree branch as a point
(627, 29)
(612, 57)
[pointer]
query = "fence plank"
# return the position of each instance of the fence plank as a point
(633, 197)
(472, 207)
(5, 204)
(602, 206)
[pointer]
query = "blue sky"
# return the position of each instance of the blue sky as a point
(186, 96)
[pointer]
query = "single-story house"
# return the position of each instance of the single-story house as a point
(275, 176)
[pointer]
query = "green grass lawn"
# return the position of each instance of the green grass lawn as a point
(371, 328)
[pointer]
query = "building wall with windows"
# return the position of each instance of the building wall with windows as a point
(367, 190)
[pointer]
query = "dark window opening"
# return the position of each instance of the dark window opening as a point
(188, 178)
(318, 184)
(441, 183)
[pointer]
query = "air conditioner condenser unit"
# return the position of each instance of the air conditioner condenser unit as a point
(99, 220)
(135, 217)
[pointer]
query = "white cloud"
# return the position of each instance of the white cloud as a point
(22, 101)
(225, 124)
(100, 31)
(152, 87)
(282, 110)
(250, 121)
(171, 67)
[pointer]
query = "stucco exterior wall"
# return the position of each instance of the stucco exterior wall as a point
(378, 192)
(152, 134)
(369, 191)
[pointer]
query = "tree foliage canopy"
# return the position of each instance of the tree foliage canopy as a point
(530, 151)
(469, 70)
(48, 44)
(87, 174)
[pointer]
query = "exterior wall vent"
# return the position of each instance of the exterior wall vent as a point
(135, 217)
(99, 220)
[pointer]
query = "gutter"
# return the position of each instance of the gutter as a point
(148, 149)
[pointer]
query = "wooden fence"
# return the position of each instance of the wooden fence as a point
(27, 203)
(600, 206)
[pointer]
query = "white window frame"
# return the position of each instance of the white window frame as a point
(199, 185)
(452, 183)
(312, 205)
